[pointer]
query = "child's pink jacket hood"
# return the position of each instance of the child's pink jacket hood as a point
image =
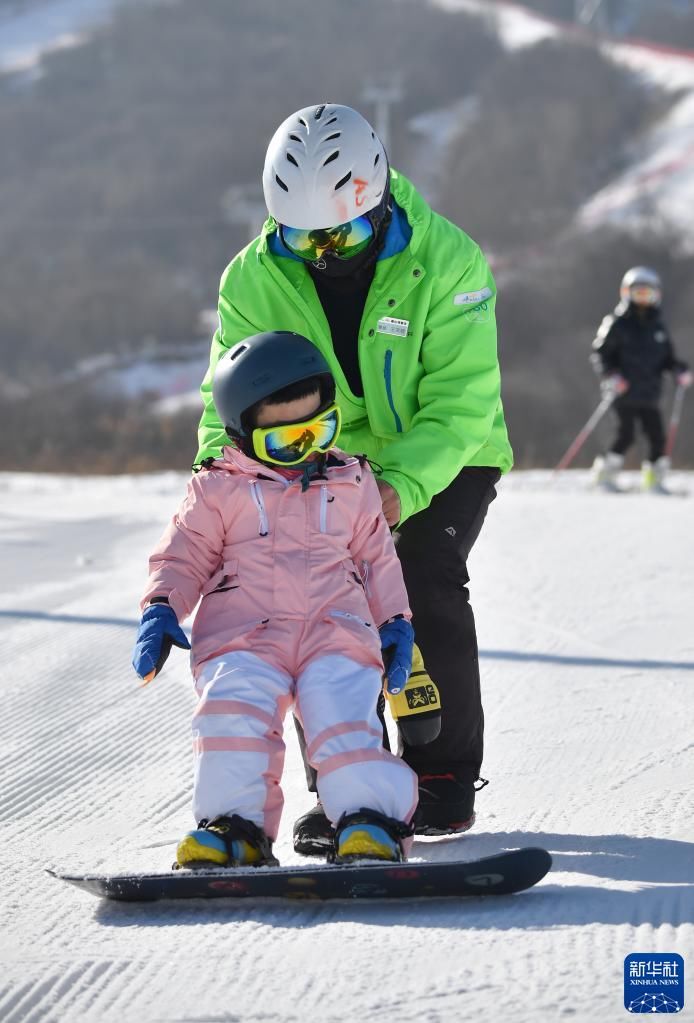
(256, 548)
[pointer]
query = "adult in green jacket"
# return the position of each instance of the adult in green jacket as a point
(401, 303)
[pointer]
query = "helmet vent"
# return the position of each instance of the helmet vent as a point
(295, 138)
(303, 122)
(281, 183)
(331, 137)
(239, 350)
(378, 156)
(331, 121)
(333, 156)
(343, 181)
(319, 112)
(292, 160)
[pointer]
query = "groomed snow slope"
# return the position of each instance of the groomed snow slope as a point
(584, 606)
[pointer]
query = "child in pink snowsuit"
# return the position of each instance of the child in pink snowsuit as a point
(284, 540)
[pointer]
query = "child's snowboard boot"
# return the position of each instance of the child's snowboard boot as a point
(369, 835)
(226, 842)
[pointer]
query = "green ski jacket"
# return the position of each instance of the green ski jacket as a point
(427, 351)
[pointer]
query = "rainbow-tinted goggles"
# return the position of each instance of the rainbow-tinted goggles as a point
(291, 443)
(645, 294)
(343, 241)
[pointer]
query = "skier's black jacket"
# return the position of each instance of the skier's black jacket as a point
(636, 344)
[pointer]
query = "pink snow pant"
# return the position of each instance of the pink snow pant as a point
(239, 750)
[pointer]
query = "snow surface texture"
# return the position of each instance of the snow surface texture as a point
(583, 603)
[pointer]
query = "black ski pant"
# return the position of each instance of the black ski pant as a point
(651, 423)
(433, 547)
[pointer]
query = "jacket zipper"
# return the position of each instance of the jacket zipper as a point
(324, 508)
(257, 495)
(387, 373)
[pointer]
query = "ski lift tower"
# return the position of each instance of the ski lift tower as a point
(383, 96)
(591, 14)
(245, 204)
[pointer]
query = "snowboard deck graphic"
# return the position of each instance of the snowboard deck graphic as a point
(501, 874)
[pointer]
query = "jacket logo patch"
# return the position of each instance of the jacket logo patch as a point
(480, 314)
(472, 297)
(390, 325)
(660, 335)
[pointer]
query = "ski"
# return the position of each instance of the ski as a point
(501, 874)
(636, 489)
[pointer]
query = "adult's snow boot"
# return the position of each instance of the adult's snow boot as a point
(226, 842)
(313, 833)
(446, 804)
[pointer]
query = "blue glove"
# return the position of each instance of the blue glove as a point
(159, 631)
(397, 640)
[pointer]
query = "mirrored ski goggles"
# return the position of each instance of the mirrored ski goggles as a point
(644, 294)
(343, 241)
(291, 443)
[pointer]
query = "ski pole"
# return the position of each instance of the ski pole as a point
(675, 417)
(576, 445)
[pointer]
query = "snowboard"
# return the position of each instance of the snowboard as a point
(501, 874)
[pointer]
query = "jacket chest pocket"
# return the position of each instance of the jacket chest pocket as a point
(225, 578)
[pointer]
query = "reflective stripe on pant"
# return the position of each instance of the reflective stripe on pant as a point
(237, 734)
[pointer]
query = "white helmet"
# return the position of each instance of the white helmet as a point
(641, 277)
(324, 166)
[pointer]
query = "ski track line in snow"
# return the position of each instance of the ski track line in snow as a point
(127, 738)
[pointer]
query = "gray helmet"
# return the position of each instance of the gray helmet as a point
(260, 365)
(324, 166)
(640, 276)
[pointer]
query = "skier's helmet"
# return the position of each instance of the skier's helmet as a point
(259, 366)
(324, 166)
(641, 285)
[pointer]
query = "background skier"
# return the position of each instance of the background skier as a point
(631, 352)
(401, 304)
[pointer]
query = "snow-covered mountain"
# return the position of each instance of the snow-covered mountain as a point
(583, 603)
(657, 188)
(29, 32)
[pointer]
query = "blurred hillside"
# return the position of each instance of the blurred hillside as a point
(118, 156)
(670, 22)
